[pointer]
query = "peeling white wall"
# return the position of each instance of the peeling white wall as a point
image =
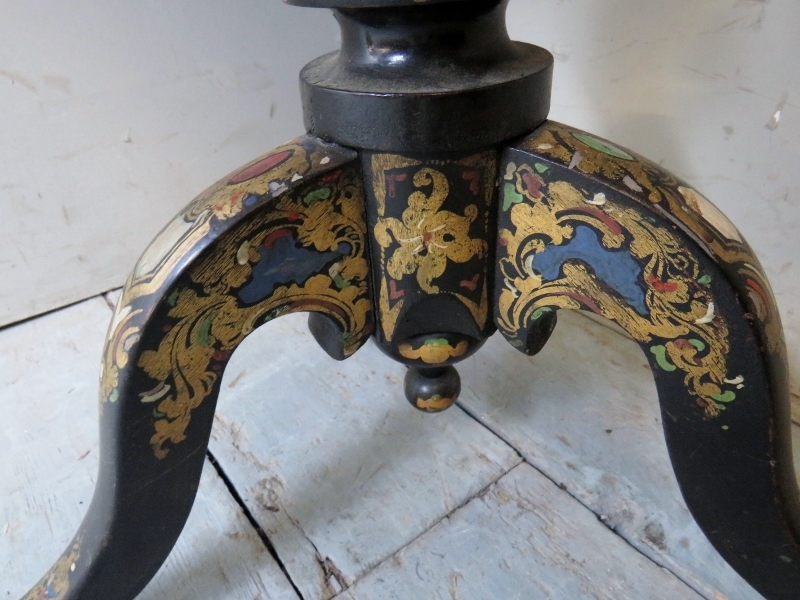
(114, 114)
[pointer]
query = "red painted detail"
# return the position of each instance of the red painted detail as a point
(474, 178)
(331, 176)
(660, 286)
(684, 344)
(471, 284)
(612, 225)
(586, 301)
(294, 216)
(232, 200)
(221, 355)
(503, 241)
(427, 236)
(533, 184)
(262, 166)
(757, 288)
(394, 293)
(273, 237)
(391, 190)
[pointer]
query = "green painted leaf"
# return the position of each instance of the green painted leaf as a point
(317, 195)
(698, 344)
(540, 311)
(602, 146)
(660, 352)
(728, 396)
(341, 282)
(511, 196)
(173, 297)
(202, 333)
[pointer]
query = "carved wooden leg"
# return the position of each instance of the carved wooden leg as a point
(284, 234)
(586, 225)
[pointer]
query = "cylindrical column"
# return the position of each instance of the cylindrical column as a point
(425, 78)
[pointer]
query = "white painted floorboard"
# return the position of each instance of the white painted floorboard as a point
(524, 539)
(48, 433)
(358, 490)
(585, 412)
(334, 463)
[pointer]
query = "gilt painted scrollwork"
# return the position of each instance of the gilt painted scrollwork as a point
(309, 257)
(194, 228)
(55, 584)
(586, 225)
(619, 248)
(581, 224)
(569, 248)
(286, 233)
(306, 253)
(431, 219)
(652, 186)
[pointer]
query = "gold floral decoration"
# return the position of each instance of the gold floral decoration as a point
(648, 183)
(427, 236)
(436, 403)
(210, 321)
(262, 180)
(54, 585)
(681, 326)
(434, 351)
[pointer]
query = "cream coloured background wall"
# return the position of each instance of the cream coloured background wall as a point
(114, 114)
(711, 90)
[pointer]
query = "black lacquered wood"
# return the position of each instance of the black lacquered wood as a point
(589, 226)
(284, 234)
(431, 218)
(375, 3)
(426, 78)
(432, 390)
(426, 94)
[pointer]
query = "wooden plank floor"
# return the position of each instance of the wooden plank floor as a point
(549, 480)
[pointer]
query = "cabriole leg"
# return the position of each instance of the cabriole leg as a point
(284, 234)
(585, 225)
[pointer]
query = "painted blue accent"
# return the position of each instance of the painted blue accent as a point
(616, 268)
(284, 263)
(250, 199)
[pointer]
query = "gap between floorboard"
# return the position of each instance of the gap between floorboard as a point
(564, 488)
(268, 544)
(450, 513)
(251, 519)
